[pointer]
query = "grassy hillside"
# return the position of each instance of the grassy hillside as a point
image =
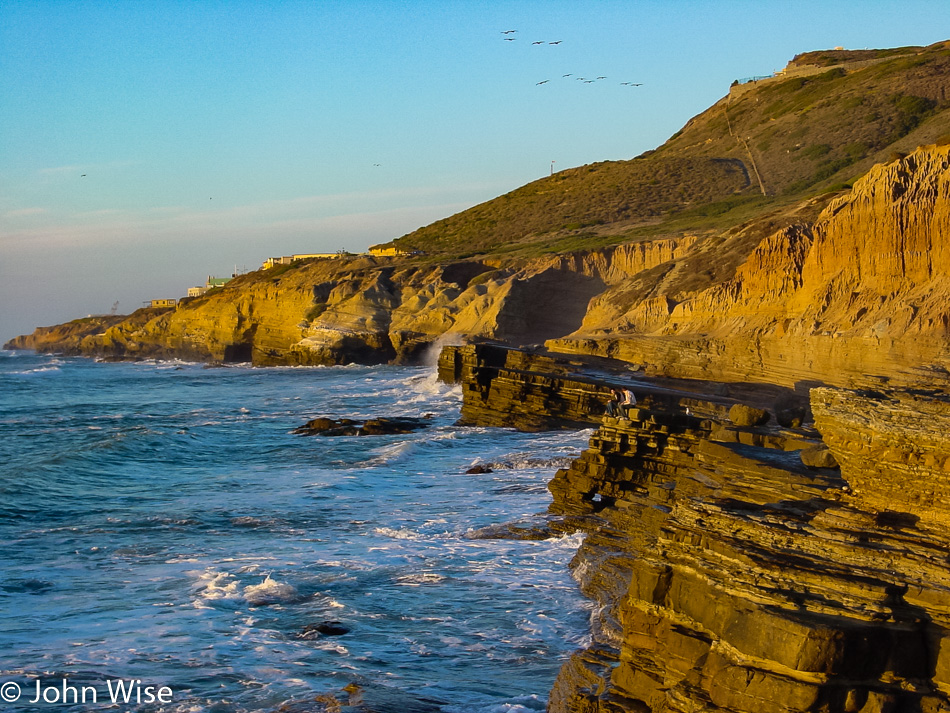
(760, 149)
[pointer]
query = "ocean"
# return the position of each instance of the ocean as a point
(168, 540)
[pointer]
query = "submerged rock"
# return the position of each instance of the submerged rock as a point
(512, 531)
(324, 628)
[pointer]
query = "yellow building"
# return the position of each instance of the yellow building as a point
(387, 251)
(163, 303)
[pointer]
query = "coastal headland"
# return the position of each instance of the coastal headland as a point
(769, 529)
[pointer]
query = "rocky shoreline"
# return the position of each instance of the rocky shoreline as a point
(730, 573)
(736, 566)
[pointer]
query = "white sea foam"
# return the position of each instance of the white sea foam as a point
(401, 533)
(419, 578)
(214, 585)
(270, 591)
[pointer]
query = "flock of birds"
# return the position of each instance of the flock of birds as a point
(508, 38)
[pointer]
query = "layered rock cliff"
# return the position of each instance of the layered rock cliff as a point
(728, 574)
(862, 291)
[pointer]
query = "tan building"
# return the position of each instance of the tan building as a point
(163, 303)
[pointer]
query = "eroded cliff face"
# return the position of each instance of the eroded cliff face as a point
(856, 297)
(862, 291)
(736, 568)
(366, 310)
(733, 578)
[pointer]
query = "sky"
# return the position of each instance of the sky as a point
(147, 145)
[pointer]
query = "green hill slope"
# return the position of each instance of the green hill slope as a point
(823, 122)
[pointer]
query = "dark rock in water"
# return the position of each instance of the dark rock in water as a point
(385, 426)
(373, 427)
(511, 531)
(324, 628)
(478, 470)
(27, 586)
(364, 696)
(325, 424)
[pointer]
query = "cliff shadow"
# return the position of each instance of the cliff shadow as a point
(546, 306)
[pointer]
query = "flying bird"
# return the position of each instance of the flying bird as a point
(83, 175)
(556, 43)
(509, 39)
(539, 42)
(631, 84)
(545, 81)
(601, 77)
(567, 75)
(508, 32)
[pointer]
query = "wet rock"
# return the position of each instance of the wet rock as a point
(324, 628)
(373, 427)
(387, 426)
(478, 470)
(512, 531)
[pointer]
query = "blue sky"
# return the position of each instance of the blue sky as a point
(146, 145)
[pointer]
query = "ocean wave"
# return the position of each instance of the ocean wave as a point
(34, 372)
(158, 519)
(516, 704)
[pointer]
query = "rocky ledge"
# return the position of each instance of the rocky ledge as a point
(732, 571)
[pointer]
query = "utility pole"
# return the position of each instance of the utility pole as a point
(552, 168)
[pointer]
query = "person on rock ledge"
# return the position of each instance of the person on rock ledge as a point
(629, 402)
(614, 409)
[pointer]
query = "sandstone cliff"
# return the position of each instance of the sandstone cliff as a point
(734, 570)
(861, 291)
(369, 310)
(67, 338)
(856, 296)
